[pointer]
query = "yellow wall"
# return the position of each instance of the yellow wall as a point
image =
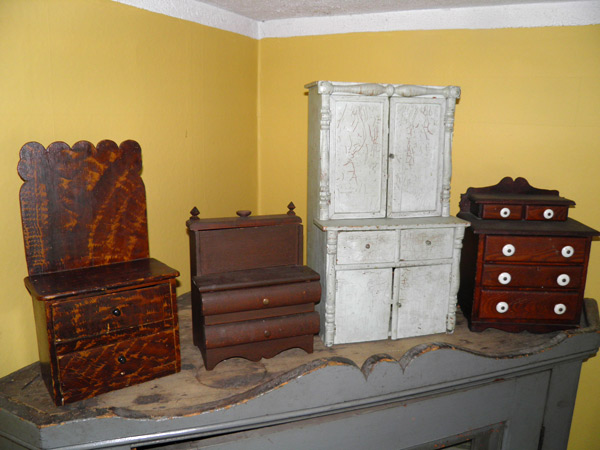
(94, 69)
(529, 108)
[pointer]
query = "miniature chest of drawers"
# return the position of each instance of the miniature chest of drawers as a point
(524, 263)
(94, 340)
(251, 295)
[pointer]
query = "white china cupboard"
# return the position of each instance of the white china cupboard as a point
(379, 231)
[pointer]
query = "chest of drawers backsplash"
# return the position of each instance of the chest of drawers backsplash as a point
(524, 262)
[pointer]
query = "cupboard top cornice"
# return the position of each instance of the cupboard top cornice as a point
(388, 90)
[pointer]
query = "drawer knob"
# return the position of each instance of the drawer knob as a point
(508, 250)
(505, 212)
(563, 279)
(567, 251)
(265, 301)
(504, 278)
(502, 307)
(116, 312)
(560, 308)
(267, 334)
(427, 242)
(122, 359)
(368, 246)
(548, 214)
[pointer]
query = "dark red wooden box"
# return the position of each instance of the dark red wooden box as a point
(251, 295)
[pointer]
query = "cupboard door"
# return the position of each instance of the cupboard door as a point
(358, 157)
(416, 156)
(362, 305)
(421, 296)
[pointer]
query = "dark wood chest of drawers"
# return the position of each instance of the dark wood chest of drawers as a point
(524, 263)
(251, 295)
(95, 340)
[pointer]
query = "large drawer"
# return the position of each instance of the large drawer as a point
(90, 372)
(90, 316)
(264, 297)
(364, 247)
(564, 250)
(543, 306)
(547, 277)
(426, 243)
(226, 335)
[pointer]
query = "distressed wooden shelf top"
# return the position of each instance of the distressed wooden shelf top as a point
(195, 391)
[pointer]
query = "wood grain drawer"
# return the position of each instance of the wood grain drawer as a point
(90, 316)
(547, 277)
(543, 306)
(264, 297)
(261, 330)
(564, 250)
(546, 213)
(102, 369)
(426, 243)
(363, 247)
(501, 211)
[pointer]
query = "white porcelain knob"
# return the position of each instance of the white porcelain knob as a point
(502, 307)
(508, 250)
(563, 279)
(548, 214)
(504, 212)
(559, 308)
(504, 278)
(567, 251)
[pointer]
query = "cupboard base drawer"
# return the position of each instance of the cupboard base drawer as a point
(94, 371)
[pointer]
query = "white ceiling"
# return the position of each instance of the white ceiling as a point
(264, 10)
(260, 19)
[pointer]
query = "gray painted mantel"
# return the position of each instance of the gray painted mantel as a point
(506, 391)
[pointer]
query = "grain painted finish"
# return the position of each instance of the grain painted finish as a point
(526, 272)
(106, 315)
(251, 295)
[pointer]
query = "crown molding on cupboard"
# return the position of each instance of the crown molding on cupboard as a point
(573, 13)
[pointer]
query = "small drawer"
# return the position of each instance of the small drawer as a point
(91, 372)
(546, 213)
(90, 316)
(546, 277)
(501, 212)
(226, 335)
(363, 247)
(564, 250)
(264, 297)
(428, 243)
(516, 305)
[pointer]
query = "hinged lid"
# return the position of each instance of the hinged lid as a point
(243, 220)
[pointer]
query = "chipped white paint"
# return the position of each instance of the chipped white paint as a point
(398, 282)
(360, 175)
(379, 231)
(282, 18)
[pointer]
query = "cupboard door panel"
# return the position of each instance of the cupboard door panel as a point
(421, 300)
(416, 156)
(362, 305)
(358, 157)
